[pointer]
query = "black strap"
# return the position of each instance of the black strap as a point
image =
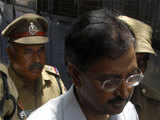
(8, 117)
(59, 84)
(7, 96)
(58, 80)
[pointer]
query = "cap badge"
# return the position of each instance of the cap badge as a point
(32, 29)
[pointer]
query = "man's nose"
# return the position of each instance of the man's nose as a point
(36, 57)
(123, 90)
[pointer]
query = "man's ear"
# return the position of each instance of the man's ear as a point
(74, 73)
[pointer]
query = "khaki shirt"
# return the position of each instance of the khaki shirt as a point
(8, 104)
(47, 88)
(147, 102)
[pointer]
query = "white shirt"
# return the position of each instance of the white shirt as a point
(66, 107)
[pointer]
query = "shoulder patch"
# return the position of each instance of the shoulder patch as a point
(51, 69)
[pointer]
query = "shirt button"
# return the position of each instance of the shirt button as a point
(144, 91)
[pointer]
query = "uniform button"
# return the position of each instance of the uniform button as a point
(50, 68)
(144, 91)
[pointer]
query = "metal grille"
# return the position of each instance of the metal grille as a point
(145, 10)
(58, 7)
(74, 8)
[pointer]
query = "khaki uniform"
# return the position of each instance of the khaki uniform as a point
(48, 87)
(8, 104)
(147, 102)
(147, 95)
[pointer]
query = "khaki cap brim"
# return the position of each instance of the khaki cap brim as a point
(32, 40)
(143, 34)
(145, 47)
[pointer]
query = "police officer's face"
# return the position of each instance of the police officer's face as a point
(97, 99)
(28, 60)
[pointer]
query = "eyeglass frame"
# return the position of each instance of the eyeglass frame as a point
(126, 79)
(141, 77)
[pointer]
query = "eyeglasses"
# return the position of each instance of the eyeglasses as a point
(112, 84)
(114, 81)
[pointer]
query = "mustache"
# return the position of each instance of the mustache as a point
(35, 66)
(118, 99)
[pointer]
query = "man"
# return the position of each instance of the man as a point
(36, 82)
(100, 58)
(145, 98)
(8, 95)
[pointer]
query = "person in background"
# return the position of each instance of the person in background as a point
(100, 58)
(36, 82)
(146, 99)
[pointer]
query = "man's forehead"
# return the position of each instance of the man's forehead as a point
(140, 54)
(122, 64)
(102, 75)
(28, 45)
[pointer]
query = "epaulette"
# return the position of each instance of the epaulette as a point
(50, 70)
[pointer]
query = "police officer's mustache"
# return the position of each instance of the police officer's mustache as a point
(35, 66)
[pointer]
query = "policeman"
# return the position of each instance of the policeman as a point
(146, 98)
(36, 82)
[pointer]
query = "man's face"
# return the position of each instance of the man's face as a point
(28, 60)
(91, 92)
